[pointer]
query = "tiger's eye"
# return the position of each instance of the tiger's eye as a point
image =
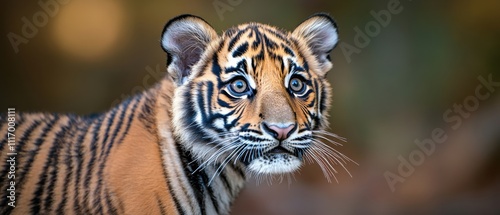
(296, 85)
(239, 86)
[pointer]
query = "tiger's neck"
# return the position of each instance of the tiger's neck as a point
(195, 189)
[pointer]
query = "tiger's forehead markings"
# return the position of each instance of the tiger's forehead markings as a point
(258, 32)
(257, 41)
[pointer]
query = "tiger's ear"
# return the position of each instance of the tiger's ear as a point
(320, 34)
(185, 38)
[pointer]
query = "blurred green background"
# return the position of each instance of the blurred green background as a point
(87, 55)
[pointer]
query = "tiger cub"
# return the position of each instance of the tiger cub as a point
(252, 101)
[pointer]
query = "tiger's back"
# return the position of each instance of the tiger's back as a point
(85, 165)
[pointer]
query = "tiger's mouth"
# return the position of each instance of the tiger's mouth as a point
(276, 161)
(279, 149)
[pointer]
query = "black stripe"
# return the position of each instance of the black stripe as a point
(104, 158)
(246, 127)
(178, 206)
(242, 49)
(108, 125)
(195, 179)
(204, 104)
(238, 170)
(306, 65)
(125, 107)
(180, 152)
(216, 70)
(271, 45)
(129, 122)
(210, 92)
(240, 67)
(303, 138)
(32, 154)
(303, 130)
(36, 201)
(189, 122)
(288, 50)
(58, 146)
(312, 103)
(306, 95)
(258, 36)
(111, 208)
(70, 169)
(20, 143)
(282, 64)
(322, 101)
(201, 103)
(160, 205)
(223, 103)
(232, 123)
(279, 34)
(210, 192)
(235, 39)
(104, 143)
(90, 164)
(147, 114)
(19, 182)
(253, 138)
(229, 96)
(169, 185)
(225, 181)
(79, 157)
(259, 57)
(230, 32)
(300, 152)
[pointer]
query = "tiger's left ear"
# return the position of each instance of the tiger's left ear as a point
(185, 39)
(320, 34)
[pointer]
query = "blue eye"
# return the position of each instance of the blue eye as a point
(238, 86)
(296, 85)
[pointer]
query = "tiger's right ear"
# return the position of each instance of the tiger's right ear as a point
(185, 38)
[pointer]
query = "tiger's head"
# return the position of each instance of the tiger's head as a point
(255, 96)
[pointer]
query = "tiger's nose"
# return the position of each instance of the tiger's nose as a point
(279, 132)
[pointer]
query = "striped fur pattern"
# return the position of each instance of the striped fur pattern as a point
(252, 101)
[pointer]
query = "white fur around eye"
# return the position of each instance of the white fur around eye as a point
(287, 79)
(233, 62)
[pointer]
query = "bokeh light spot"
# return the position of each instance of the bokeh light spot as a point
(90, 29)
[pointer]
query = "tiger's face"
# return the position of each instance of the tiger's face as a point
(254, 96)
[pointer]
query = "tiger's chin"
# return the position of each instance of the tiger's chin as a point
(275, 163)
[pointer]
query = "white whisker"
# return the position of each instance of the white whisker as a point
(343, 139)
